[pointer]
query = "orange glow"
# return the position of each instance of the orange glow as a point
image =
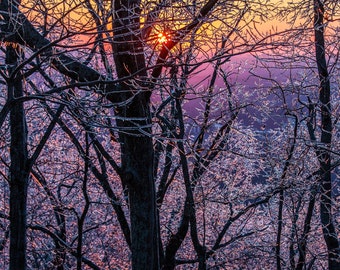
(162, 37)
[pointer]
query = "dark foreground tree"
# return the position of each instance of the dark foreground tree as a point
(18, 172)
(324, 154)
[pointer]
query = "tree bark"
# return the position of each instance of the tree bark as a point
(134, 123)
(19, 166)
(302, 244)
(326, 216)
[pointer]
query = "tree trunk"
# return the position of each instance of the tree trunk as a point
(134, 123)
(18, 169)
(137, 165)
(302, 244)
(279, 231)
(326, 215)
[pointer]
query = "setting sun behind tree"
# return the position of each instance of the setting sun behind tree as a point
(163, 37)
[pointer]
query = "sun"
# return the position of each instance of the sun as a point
(162, 37)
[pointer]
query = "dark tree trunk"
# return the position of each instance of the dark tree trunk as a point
(279, 231)
(302, 245)
(18, 169)
(137, 165)
(134, 123)
(324, 155)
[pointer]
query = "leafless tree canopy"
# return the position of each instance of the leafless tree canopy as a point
(169, 134)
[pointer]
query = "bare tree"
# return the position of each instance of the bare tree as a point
(324, 154)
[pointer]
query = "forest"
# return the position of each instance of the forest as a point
(170, 134)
